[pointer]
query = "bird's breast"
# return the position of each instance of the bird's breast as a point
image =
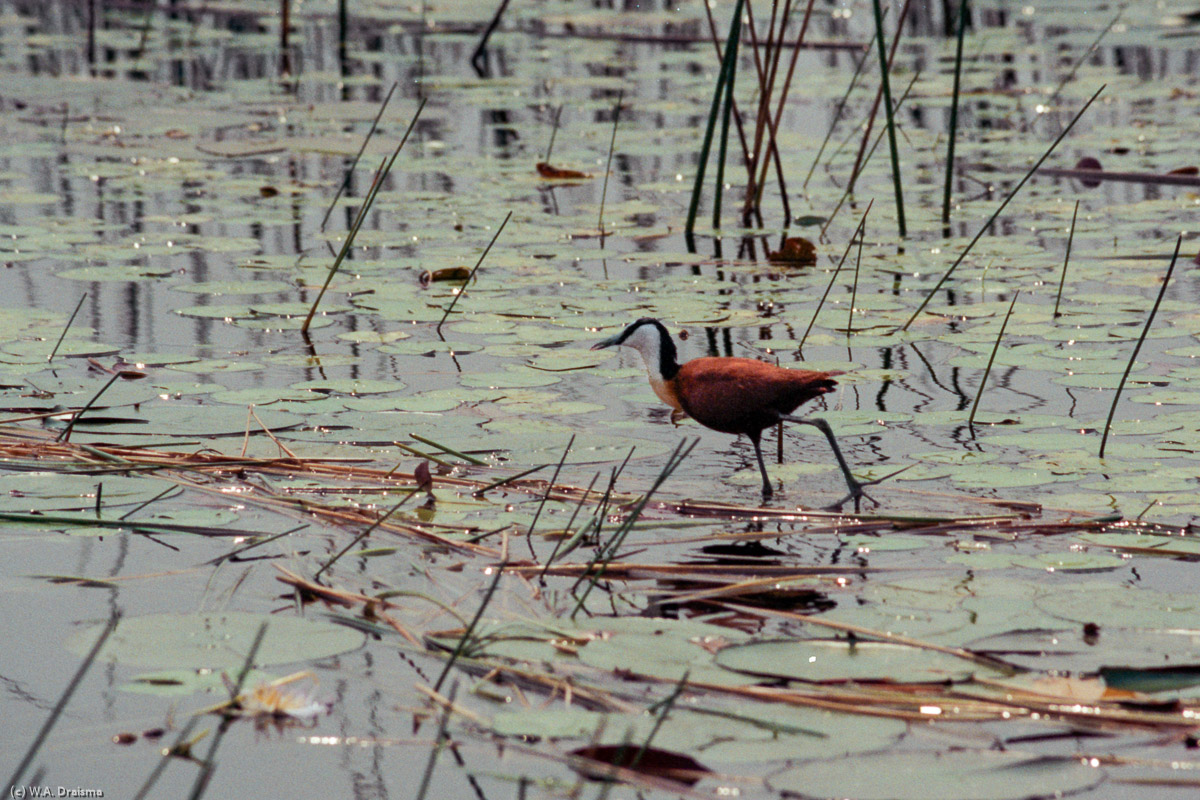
(666, 392)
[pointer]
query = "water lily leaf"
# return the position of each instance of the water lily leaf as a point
(350, 387)
(657, 655)
(226, 312)
(184, 682)
(1120, 606)
(990, 476)
(947, 775)
(37, 351)
(373, 337)
(261, 397)
(44, 491)
(297, 309)
(117, 273)
(867, 543)
(510, 378)
(216, 641)
(235, 287)
(212, 365)
(819, 660)
(283, 323)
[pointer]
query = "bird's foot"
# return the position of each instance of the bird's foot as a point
(857, 492)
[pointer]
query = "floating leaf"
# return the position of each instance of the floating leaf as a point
(945, 775)
(217, 640)
(841, 659)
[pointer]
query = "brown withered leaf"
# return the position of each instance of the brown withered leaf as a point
(448, 274)
(650, 761)
(796, 250)
(1088, 162)
(424, 479)
(560, 174)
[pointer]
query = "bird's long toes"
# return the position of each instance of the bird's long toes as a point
(856, 494)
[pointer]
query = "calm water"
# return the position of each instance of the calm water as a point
(178, 167)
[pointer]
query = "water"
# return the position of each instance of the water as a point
(180, 180)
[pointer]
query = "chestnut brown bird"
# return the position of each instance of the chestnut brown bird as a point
(732, 395)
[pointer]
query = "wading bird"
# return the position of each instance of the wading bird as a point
(732, 395)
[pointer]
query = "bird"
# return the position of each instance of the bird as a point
(732, 395)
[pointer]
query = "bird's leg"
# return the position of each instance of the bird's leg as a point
(755, 440)
(855, 486)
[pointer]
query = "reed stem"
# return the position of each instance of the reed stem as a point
(988, 369)
(728, 64)
(996, 213)
(1067, 259)
(463, 289)
(962, 24)
(66, 328)
(608, 167)
(891, 119)
(1136, 348)
(376, 184)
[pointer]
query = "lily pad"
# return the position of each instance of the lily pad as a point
(818, 660)
(944, 775)
(216, 640)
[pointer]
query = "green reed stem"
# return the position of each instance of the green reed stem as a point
(208, 765)
(858, 231)
(723, 146)
(384, 168)
(362, 148)
(891, 119)
(440, 739)
(158, 496)
(664, 708)
(362, 536)
(854, 289)
(66, 328)
(996, 213)
(612, 143)
(553, 133)
(466, 637)
(463, 289)
(866, 159)
(441, 462)
(608, 552)
(958, 53)
(1132, 358)
(549, 488)
(567, 529)
(837, 114)
(479, 462)
(1070, 238)
(65, 435)
(988, 369)
(509, 479)
(1079, 61)
(728, 65)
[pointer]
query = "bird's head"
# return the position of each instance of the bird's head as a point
(650, 338)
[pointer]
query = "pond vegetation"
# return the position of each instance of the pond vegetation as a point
(312, 480)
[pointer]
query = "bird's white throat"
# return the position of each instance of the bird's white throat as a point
(648, 340)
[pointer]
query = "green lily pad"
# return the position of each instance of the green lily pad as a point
(840, 659)
(216, 640)
(944, 775)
